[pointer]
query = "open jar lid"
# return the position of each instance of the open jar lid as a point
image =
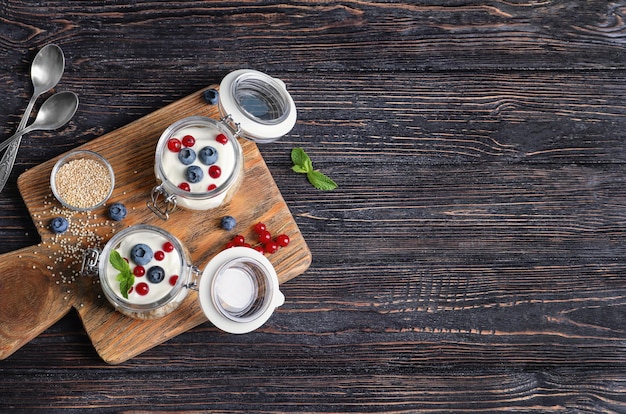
(258, 104)
(238, 290)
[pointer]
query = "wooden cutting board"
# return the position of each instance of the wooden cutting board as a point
(40, 284)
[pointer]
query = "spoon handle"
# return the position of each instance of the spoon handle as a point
(8, 159)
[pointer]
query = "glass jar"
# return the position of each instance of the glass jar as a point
(238, 289)
(199, 165)
(252, 105)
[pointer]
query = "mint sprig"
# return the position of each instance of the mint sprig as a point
(302, 164)
(125, 277)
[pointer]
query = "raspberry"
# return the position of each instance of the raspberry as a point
(189, 141)
(184, 186)
(159, 255)
(174, 145)
(139, 271)
(222, 139)
(282, 240)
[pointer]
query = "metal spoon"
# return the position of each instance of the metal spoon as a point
(55, 112)
(46, 71)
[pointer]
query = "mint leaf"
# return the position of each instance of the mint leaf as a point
(299, 169)
(321, 181)
(301, 159)
(125, 277)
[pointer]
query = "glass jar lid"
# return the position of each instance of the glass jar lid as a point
(238, 290)
(258, 104)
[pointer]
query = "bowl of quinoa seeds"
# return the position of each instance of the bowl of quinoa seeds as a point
(82, 180)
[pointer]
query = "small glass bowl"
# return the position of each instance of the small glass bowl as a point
(78, 188)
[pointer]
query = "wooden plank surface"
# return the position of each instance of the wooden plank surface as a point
(472, 259)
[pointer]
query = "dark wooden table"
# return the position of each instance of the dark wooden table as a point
(472, 258)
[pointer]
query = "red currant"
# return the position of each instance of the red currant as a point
(142, 288)
(174, 144)
(184, 186)
(239, 240)
(259, 248)
(222, 139)
(230, 244)
(215, 171)
(173, 280)
(211, 187)
(168, 247)
(139, 271)
(159, 255)
(130, 290)
(189, 141)
(259, 227)
(271, 247)
(264, 237)
(282, 240)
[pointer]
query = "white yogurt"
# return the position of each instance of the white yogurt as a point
(171, 264)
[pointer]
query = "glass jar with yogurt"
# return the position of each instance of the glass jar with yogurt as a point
(199, 161)
(238, 289)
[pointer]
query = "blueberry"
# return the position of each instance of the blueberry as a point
(59, 225)
(211, 96)
(117, 211)
(194, 174)
(228, 223)
(208, 155)
(155, 274)
(186, 156)
(141, 254)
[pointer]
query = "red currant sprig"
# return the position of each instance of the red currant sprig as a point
(266, 244)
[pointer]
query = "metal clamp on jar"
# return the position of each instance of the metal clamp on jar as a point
(199, 161)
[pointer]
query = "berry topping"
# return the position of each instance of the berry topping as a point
(264, 237)
(159, 255)
(141, 254)
(259, 248)
(271, 247)
(228, 223)
(239, 240)
(168, 247)
(173, 279)
(184, 186)
(59, 225)
(215, 171)
(282, 240)
(259, 227)
(211, 96)
(222, 139)
(139, 271)
(186, 156)
(142, 288)
(208, 155)
(117, 212)
(211, 187)
(188, 141)
(156, 274)
(174, 145)
(194, 174)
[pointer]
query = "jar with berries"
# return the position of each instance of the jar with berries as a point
(146, 273)
(199, 161)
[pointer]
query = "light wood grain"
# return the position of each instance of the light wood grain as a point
(130, 150)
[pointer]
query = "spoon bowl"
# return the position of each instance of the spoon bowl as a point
(55, 112)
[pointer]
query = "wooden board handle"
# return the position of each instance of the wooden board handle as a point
(30, 300)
